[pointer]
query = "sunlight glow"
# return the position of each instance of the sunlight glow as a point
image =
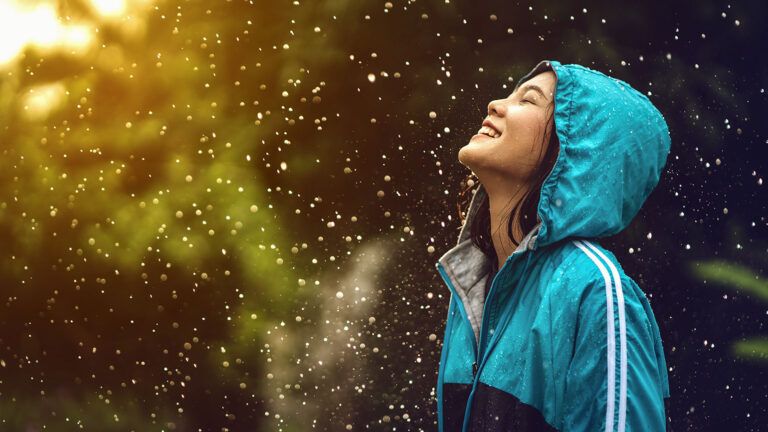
(38, 25)
(109, 7)
(46, 25)
(40, 100)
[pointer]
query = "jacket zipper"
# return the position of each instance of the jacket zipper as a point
(481, 353)
(478, 350)
(486, 314)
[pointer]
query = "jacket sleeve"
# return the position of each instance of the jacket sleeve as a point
(617, 377)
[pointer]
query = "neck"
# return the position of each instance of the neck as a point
(501, 202)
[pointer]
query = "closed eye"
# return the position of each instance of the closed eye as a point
(528, 100)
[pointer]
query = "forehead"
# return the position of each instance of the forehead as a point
(546, 80)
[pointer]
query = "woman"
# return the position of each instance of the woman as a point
(545, 331)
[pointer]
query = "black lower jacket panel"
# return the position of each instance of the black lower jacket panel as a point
(454, 404)
(493, 410)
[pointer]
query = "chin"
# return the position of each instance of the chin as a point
(465, 154)
(471, 154)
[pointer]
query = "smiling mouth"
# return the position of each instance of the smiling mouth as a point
(488, 131)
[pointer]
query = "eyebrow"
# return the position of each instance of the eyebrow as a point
(534, 87)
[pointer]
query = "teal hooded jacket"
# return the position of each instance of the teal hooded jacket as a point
(564, 339)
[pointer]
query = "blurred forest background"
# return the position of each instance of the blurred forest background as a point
(224, 215)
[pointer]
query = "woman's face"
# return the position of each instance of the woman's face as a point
(522, 133)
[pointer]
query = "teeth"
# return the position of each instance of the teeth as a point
(488, 131)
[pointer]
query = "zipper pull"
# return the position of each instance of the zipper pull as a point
(474, 369)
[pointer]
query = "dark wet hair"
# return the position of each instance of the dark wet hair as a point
(480, 230)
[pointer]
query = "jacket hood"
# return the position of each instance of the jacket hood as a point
(614, 144)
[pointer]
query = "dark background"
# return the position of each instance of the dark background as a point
(162, 271)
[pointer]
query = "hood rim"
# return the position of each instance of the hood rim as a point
(563, 101)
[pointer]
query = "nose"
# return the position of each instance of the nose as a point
(496, 107)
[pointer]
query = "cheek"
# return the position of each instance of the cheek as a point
(524, 131)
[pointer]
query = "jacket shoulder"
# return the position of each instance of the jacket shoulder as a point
(595, 262)
(583, 265)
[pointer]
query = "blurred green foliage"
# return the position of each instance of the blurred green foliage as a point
(742, 280)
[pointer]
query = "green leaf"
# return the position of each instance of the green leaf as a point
(736, 276)
(752, 349)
